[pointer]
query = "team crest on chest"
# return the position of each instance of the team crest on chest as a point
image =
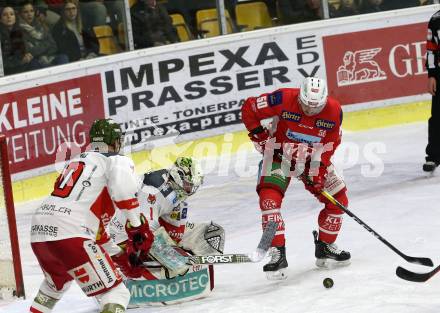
(151, 199)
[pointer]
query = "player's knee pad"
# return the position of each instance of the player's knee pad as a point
(203, 238)
(114, 298)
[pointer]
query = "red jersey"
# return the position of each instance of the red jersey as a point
(292, 125)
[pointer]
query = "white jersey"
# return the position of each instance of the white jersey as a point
(85, 196)
(160, 205)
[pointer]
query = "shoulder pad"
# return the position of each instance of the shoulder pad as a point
(158, 179)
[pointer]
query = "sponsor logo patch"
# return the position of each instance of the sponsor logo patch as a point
(52, 209)
(45, 230)
(300, 137)
(275, 98)
(188, 286)
(184, 213)
(291, 116)
(324, 124)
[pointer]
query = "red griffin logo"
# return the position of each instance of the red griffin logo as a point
(359, 67)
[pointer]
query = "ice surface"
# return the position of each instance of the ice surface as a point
(402, 205)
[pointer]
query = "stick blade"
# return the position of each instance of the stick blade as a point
(420, 261)
(405, 274)
(267, 237)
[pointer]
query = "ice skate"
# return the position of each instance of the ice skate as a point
(430, 166)
(328, 254)
(276, 268)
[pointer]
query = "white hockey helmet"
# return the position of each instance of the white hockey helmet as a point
(313, 95)
(185, 176)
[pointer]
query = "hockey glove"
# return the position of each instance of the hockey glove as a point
(259, 137)
(315, 183)
(126, 267)
(140, 239)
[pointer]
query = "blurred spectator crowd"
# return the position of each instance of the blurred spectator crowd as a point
(37, 34)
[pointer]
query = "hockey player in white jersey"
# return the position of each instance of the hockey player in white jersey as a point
(65, 227)
(163, 199)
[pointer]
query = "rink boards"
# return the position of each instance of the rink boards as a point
(186, 98)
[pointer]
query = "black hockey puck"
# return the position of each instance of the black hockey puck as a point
(327, 282)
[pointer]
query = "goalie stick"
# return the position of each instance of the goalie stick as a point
(416, 277)
(410, 259)
(255, 256)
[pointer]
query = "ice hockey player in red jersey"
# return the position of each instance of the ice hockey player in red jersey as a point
(304, 133)
(91, 187)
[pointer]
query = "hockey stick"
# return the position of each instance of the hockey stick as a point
(255, 256)
(416, 277)
(410, 259)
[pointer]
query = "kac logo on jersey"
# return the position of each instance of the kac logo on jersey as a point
(291, 116)
(324, 124)
(151, 199)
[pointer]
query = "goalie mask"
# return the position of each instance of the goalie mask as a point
(313, 95)
(185, 177)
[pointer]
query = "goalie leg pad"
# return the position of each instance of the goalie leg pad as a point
(203, 238)
(197, 283)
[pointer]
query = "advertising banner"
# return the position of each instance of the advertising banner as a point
(196, 90)
(377, 64)
(38, 120)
